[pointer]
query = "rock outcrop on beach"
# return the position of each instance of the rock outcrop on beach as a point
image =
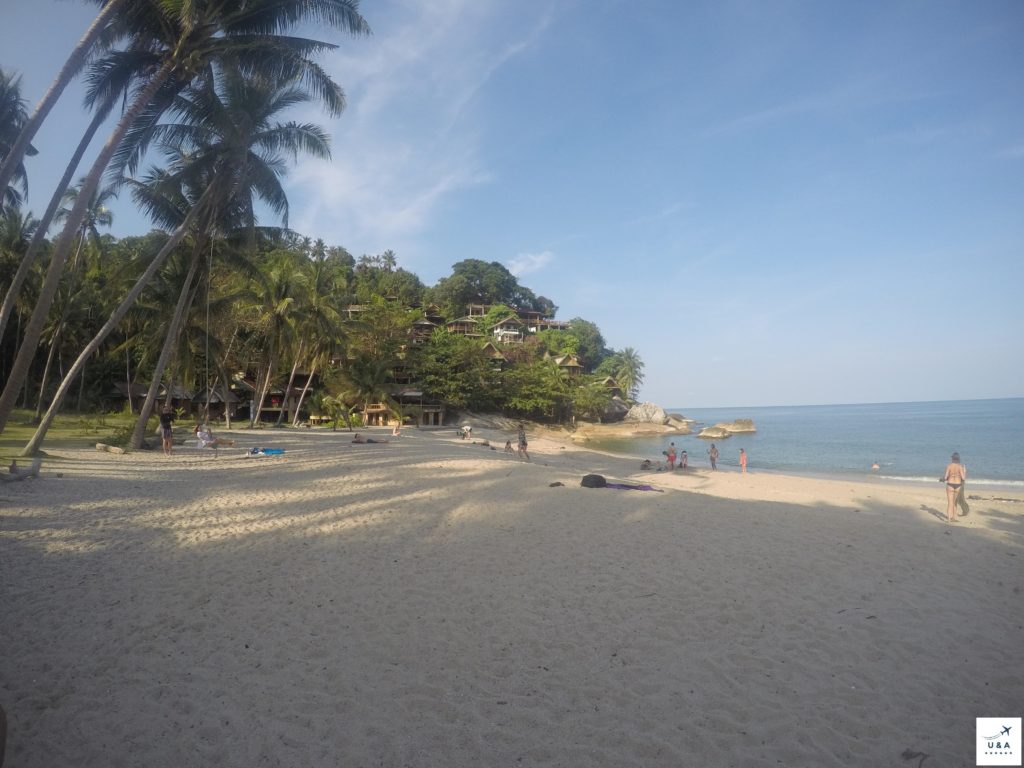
(725, 429)
(615, 411)
(647, 413)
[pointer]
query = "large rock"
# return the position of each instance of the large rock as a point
(615, 411)
(647, 413)
(725, 429)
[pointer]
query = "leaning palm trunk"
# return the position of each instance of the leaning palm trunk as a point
(287, 389)
(29, 344)
(305, 389)
(184, 302)
(44, 223)
(112, 322)
(71, 67)
(265, 389)
(46, 372)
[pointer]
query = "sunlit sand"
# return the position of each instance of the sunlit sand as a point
(431, 602)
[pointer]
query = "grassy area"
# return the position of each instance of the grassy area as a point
(71, 430)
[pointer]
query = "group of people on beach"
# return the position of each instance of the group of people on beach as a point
(672, 456)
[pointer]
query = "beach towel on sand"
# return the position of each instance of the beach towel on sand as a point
(266, 451)
(598, 481)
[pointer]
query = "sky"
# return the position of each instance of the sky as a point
(773, 202)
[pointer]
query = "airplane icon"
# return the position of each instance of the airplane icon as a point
(1006, 730)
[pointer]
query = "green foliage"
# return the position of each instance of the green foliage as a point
(626, 368)
(456, 370)
(536, 390)
(590, 399)
(478, 282)
(590, 348)
(556, 342)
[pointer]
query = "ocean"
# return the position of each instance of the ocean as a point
(911, 442)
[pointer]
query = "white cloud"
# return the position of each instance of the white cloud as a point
(409, 139)
(525, 263)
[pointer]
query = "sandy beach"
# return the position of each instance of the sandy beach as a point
(433, 602)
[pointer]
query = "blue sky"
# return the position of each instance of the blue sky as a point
(773, 202)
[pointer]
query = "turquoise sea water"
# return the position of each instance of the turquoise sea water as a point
(910, 441)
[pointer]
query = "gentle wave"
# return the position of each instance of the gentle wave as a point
(970, 481)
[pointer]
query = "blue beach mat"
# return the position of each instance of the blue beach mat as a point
(266, 451)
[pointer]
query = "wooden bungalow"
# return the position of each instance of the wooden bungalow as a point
(422, 330)
(464, 326)
(509, 330)
(426, 412)
(495, 354)
(570, 364)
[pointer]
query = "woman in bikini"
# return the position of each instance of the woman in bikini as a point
(954, 478)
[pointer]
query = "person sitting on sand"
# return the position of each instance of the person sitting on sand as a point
(363, 440)
(204, 435)
(508, 447)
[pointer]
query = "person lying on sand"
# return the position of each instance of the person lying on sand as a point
(363, 440)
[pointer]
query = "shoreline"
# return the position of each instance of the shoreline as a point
(222, 610)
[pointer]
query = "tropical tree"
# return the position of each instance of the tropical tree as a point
(38, 240)
(175, 42)
(12, 121)
(277, 312)
(20, 145)
(627, 369)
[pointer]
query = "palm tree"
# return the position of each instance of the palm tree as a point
(226, 133)
(12, 121)
(20, 146)
(629, 372)
(174, 43)
(35, 247)
(279, 303)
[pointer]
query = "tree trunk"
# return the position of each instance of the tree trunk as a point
(115, 318)
(305, 389)
(46, 372)
(128, 374)
(287, 389)
(271, 365)
(19, 371)
(44, 223)
(180, 309)
(71, 67)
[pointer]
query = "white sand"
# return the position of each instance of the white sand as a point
(433, 603)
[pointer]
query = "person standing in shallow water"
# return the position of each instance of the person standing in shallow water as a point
(713, 455)
(743, 461)
(956, 474)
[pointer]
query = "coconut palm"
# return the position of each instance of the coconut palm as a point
(174, 42)
(12, 121)
(227, 150)
(19, 146)
(629, 371)
(35, 247)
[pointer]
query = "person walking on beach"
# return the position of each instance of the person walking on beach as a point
(167, 430)
(713, 455)
(522, 442)
(743, 461)
(956, 474)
